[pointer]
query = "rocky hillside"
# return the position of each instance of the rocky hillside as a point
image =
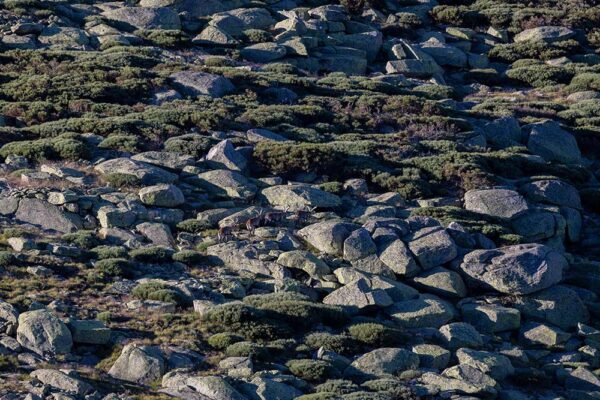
(299, 199)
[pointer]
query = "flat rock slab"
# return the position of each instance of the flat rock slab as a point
(520, 269)
(47, 216)
(298, 197)
(147, 174)
(195, 84)
(145, 18)
(503, 203)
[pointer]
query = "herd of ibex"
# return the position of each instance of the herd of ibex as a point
(271, 218)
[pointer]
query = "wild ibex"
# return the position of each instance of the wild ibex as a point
(301, 217)
(225, 233)
(274, 217)
(254, 222)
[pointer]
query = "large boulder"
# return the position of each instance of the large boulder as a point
(503, 203)
(8, 318)
(299, 197)
(165, 159)
(519, 269)
(195, 84)
(222, 182)
(139, 364)
(444, 54)
(328, 236)
(432, 246)
(47, 216)
(495, 365)
(145, 18)
(63, 382)
(552, 191)
(397, 257)
(548, 140)
(43, 333)
(558, 305)
(161, 195)
(546, 34)
(359, 294)
(147, 174)
(383, 361)
(426, 311)
(224, 155)
(304, 260)
(263, 52)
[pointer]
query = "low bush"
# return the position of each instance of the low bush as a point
(534, 50)
(247, 349)
(61, 148)
(154, 254)
(312, 370)
(191, 144)
(376, 335)
(112, 267)
(84, 239)
(120, 180)
(161, 292)
(103, 252)
(127, 143)
(189, 257)
(540, 75)
(337, 386)
(192, 226)
(283, 158)
(341, 344)
(7, 259)
(221, 341)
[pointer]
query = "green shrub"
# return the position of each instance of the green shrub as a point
(304, 314)
(260, 300)
(312, 370)
(332, 187)
(153, 254)
(120, 180)
(247, 349)
(585, 81)
(7, 259)
(535, 50)
(84, 239)
(163, 37)
(47, 149)
(221, 341)
(189, 257)
(216, 61)
(104, 252)
(191, 144)
(284, 158)
(111, 267)
(337, 386)
(376, 335)
(127, 143)
(256, 36)
(457, 16)
(192, 226)
(104, 316)
(540, 75)
(394, 387)
(339, 343)
(9, 363)
(353, 6)
(319, 396)
(161, 292)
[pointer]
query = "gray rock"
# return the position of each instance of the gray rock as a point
(463, 379)
(147, 174)
(224, 156)
(383, 361)
(43, 333)
(495, 365)
(444, 54)
(503, 132)
(536, 334)
(398, 258)
(300, 197)
(110, 217)
(263, 52)
(64, 37)
(558, 305)
(47, 216)
(491, 318)
(214, 387)
(305, 261)
(89, 331)
(550, 141)
(242, 257)
(228, 183)
(267, 389)
(145, 18)
(358, 245)
(63, 382)
(552, 191)
(328, 236)
(442, 282)
(139, 364)
(421, 313)
(195, 84)
(503, 203)
(584, 380)
(157, 233)
(548, 34)
(8, 318)
(359, 294)
(432, 356)
(460, 334)
(212, 35)
(519, 269)
(162, 195)
(537, 224)
(432, 247)
(165, 159)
